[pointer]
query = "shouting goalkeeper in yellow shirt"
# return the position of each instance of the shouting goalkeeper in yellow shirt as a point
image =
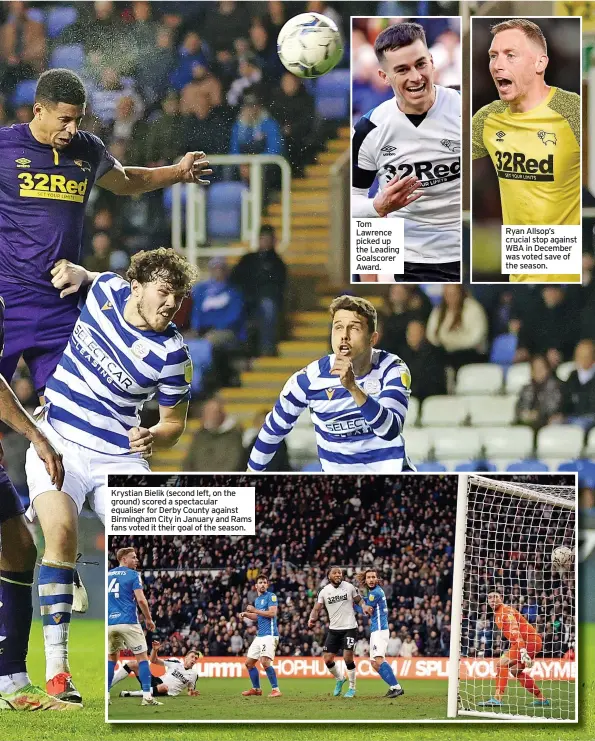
(532, 135)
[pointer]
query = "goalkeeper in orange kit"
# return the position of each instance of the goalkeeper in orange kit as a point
(525, 644)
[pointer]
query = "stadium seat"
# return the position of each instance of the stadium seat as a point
(585, 469)
(490, 410)
(431, 467)
(503, 349)
(455, 445)
(443, 411)
(565, 369)
(313, 467)
(479, 378)
(71, 56)
(36, 14)
(24, 93)
(59, 18)
(558, 443)
(224, 210)
(332, 95)
(517, 376)
(530, 465)
(417, 444)
(412, 412)
(506, 444)
(201, 353)
(590, 446)
(475, 466)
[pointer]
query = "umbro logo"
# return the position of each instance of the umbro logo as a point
(500, 136)
(23, 162)
(454, 147)
(107, 305)
(388, 149)
(547, 137)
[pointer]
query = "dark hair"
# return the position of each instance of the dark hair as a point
(60, 86)
(361, 577)
(262, 576)
(163, 263)
(397, 36)
(267, 229)
(359, 306)
(332, 568)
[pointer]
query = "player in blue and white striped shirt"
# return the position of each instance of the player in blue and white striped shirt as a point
(374, 597)
(123, 351)
(357, 397)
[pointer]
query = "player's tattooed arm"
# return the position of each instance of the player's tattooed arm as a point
(132, 181)
(366, 609)
(314, 615)
(13, 414)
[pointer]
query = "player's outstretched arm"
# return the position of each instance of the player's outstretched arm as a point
(132, 181)
(154, 658)
(280, 421)
(314, 614)
(13, 414)
(358, 602)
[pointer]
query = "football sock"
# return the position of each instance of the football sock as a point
(254, 677)
(144, 674)
(56, 580)
(388, 675)
(138, 693)
(335, 670)
(501, 681)
(111, 665)
(120, 674)
(351, 675)
(530, 685)
(16, 612)
(271, 674)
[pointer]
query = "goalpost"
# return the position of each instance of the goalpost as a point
(506, 533)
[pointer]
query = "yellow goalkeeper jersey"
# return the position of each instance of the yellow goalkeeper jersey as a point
(536, 155)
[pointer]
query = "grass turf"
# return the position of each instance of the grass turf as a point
(88, 664)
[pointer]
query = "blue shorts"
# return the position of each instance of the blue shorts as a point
(10, 504)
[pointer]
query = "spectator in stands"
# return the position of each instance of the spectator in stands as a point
(249, 75)
(459, 325)
(293, 108)
(540, 401)
(280, 462)
(394, 644)
(163, 136)
(99, 260)
(203, 86)
(209, 126)
(218, 308)
(124, 126)
(265, 48)
(22, 47)
(111, 88)
(191, 52)
(226, 21)
(261, 277)
(426, 363)
(578, 405)
(408, 648)
(154, 68)
(217, 446)
(404, 303)
(548, 326)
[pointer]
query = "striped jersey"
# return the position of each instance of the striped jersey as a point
(376, 599)
(266, 626)
(349, 438)
(110, 369)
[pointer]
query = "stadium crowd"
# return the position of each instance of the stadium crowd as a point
(197, 586)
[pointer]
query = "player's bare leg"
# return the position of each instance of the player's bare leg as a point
(351, 671)
(58, 517)
(335, 670)
(267, 665)
(384, 669)
(17, 562)
(254, 678)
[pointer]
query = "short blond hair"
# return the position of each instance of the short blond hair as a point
(359, 306)
(123, 552)
(530, 29)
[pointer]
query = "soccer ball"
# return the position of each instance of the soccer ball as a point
(562, 558)
(309, 45)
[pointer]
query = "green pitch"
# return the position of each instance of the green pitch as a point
(88, 664)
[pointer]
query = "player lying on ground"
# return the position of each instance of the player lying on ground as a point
(357, 397)
(48, 169)
(412, 143)
(17, 562)
(263, 647)
(179, 674)
(338, 598)
(124, 592)
(374, 597)
(531, 123)
(123, 351)
(525, 644)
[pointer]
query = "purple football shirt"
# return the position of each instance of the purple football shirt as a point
(43, 194)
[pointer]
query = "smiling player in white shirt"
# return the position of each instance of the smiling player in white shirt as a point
(412, 143)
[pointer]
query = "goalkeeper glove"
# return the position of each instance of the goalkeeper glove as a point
(526, 659)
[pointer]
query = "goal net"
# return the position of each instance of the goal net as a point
(514, 593)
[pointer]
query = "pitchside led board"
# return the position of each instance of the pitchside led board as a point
(406, 155)
(526, 149)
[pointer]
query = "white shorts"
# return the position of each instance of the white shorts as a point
(263, 646)
(126, 635)
(378, 643)
(84, 472)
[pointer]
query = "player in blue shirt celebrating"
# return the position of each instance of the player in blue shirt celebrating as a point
(124, 593)
(263, 647)
(375, 598)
